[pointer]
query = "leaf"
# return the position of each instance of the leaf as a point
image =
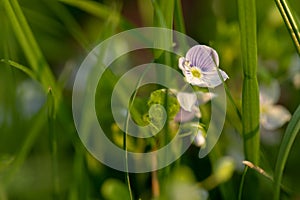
(31, 48)
(24, 69)
(94, 8)
(285, 147)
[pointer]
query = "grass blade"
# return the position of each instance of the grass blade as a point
(290, 22)
(285, 147)
(95, 8)
(24, 69)
(178, 17)
(30, 47)
(70, 23)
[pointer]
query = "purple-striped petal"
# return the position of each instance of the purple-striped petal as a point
(203, 57)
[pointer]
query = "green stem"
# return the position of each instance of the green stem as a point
(250, 94)
(126, 131)
(290, 22)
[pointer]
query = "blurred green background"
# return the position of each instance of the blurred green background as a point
(37, 163)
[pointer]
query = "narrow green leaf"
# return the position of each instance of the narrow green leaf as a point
(94, 8)
(68, 20)
(30, 47)
(289, 137)
(290, 22)
(24, 69)
(178, 17)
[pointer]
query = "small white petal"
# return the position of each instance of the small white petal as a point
(212, 78)
(274, 117)
(199, 139)
(187, 100)
(181, 63)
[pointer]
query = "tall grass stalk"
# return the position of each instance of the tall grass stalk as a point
(250, 94)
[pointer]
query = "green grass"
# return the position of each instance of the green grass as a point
(46, 42)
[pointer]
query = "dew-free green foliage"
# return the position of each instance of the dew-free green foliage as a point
(42, 44)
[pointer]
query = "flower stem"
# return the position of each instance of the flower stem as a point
(250, 94)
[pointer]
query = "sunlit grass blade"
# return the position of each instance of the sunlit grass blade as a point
(30, 47)
(289, 137)
(290, 21)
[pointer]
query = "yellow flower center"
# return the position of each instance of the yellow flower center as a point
(196, 72)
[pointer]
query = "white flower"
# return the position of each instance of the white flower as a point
(272, 116)
(189, 103)
(200, 67)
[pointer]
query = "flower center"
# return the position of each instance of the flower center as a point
(196, 72)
